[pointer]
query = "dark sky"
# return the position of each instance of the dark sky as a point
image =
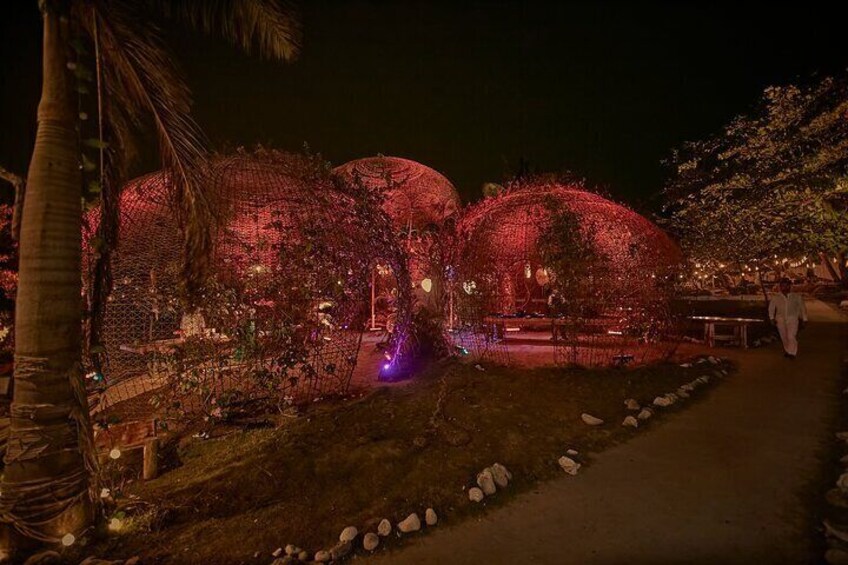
(604, 91)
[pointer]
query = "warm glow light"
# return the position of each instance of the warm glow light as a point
(115, 524)
(115, 453)
(427, 285)
(68, 540)
(414, 195)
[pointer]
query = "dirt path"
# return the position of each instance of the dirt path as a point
(730, 480)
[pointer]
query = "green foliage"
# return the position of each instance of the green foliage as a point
(569, 252)
(773, 182)
(492, 189)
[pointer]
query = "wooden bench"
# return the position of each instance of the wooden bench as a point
(738, 325)
(607, 325)
(498, 324)
(131, 436)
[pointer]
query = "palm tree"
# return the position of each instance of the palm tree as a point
(47, 489)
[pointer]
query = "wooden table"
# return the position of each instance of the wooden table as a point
(739, 325)
(498, 324)
(168, 345)
(158, 353)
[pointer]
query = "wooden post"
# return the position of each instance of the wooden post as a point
(450, 304)
(373, 297)
(151, 459)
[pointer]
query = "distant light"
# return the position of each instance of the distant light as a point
(115, 453)
(427, 285)
(68, 540)
(104, 493)
(115, 524)
(386, 367)
(614, 332)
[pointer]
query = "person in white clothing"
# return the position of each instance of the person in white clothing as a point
(788, 312)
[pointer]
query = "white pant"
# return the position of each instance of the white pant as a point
(788, 330)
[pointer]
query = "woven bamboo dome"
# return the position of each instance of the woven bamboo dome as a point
(414, 194)
(500, 260)
(282, 314)
(422, 204)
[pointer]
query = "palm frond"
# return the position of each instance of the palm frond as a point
(141, 81)
(19, 184)
(271, 28)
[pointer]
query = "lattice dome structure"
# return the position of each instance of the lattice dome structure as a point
(422, 204)
(281, 317)
(414, 194)
(554, 256)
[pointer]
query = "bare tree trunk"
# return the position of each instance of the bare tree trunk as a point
(45, 491)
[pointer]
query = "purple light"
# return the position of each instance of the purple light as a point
(386, 367)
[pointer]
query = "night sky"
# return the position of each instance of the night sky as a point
(470, 89)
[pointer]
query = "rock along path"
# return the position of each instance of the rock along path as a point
(732, 479)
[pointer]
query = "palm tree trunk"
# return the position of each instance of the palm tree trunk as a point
(45, 491)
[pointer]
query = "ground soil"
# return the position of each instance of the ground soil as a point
(396, 450)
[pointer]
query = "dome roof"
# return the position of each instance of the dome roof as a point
(292, 259)
(504, 230)
(415, 194)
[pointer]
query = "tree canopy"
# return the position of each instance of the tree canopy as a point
(774, 182)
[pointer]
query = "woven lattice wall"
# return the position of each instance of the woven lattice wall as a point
(609, 303)
(281, 318)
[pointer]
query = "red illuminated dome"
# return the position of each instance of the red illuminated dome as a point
(504, 230)
(283, 310)
(415, 195)
(596, 272)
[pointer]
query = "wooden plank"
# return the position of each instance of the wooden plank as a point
(126, 434)
(151, 459)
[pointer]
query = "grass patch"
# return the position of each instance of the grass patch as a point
(400, 449)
